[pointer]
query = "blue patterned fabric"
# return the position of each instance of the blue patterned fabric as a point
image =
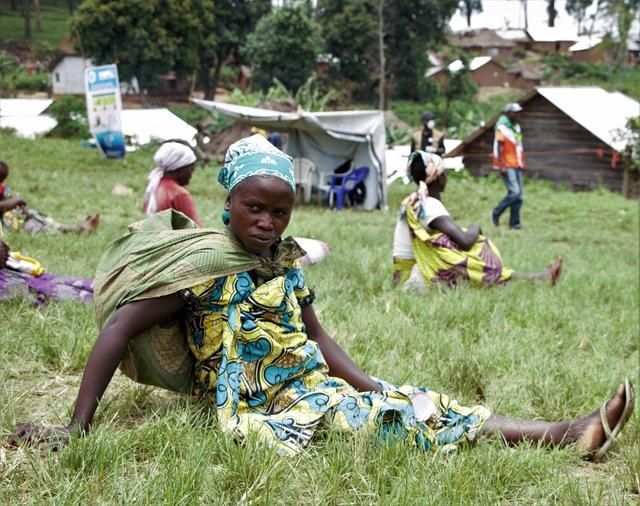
(255, 156)
(262, 374)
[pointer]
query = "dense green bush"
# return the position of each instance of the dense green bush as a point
(36, 82)
(71, 115)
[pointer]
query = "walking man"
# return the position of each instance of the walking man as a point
(508, 158)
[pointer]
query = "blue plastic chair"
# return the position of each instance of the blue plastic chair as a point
(341, 184)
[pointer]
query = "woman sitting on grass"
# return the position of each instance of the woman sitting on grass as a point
(428, 246)
(259, 355)
(175, 164)
(24, 277)
(15, 215)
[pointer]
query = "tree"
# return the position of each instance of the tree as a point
(620, 14)
(351, 31)
(551, 12)
(630, 154)
(407, 41)
(468, 7)
(357, 51)
(233, 21)
(26, 14)
(284, 45)
(36, 16)
(578, 10)
(525, 11)
(146, 38)
(458, 87)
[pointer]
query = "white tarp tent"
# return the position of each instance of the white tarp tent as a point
(24, 115)
(325, 138)
(143, 125)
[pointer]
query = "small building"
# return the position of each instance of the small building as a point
(483, 42)
(548, 39)
(518, 36)
(524, 78)
(484, 71)
(589, 50)
(66, 74)
(571, 136)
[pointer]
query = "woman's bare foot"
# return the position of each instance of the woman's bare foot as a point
(554, 270)
(589, 434)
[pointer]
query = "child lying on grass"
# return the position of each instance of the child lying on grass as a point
(15, 214)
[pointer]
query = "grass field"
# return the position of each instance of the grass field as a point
(55, 25)
(525, 349)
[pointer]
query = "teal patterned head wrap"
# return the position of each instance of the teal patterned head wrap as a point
(255, 156)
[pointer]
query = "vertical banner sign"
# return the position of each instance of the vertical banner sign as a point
(103, 109)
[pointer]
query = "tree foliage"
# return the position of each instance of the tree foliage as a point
(349, 30)
(145, 37)
(233, 21)
(468, 7)
(411, 27)
(578, 10)
(284, 46)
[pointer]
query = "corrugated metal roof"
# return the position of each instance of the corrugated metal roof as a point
(585, 43)
(479, 38)
(455, 66)
(512, 34)
(552, 34)
(474, 64)
(601, 112)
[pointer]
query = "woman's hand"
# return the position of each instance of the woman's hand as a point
(33, 434)
(125, 323)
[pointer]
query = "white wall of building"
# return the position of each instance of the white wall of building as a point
(67, 77)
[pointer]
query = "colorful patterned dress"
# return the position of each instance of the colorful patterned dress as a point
(261, 374)
(441, 261)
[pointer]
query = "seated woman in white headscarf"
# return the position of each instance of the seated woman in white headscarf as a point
(175, 163)
(429, 248)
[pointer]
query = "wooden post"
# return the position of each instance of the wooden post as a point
(382, 102)
(625, 176)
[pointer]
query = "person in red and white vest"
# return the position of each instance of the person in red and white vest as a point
(508, 158)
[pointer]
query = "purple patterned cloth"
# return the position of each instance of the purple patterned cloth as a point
(45, 287)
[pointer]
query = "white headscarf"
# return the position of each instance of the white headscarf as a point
(169, 157)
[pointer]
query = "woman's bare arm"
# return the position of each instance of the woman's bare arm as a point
(126, 323)
(340, 364)
(464, 239)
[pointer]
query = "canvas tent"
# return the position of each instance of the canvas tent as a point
(25, 116)
(325, 138)
(141, 125)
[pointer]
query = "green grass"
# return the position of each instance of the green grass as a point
(525, 349)
(55, 25)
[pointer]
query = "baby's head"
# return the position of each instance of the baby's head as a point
(4, 171)
(261, 186)
(429, 168)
